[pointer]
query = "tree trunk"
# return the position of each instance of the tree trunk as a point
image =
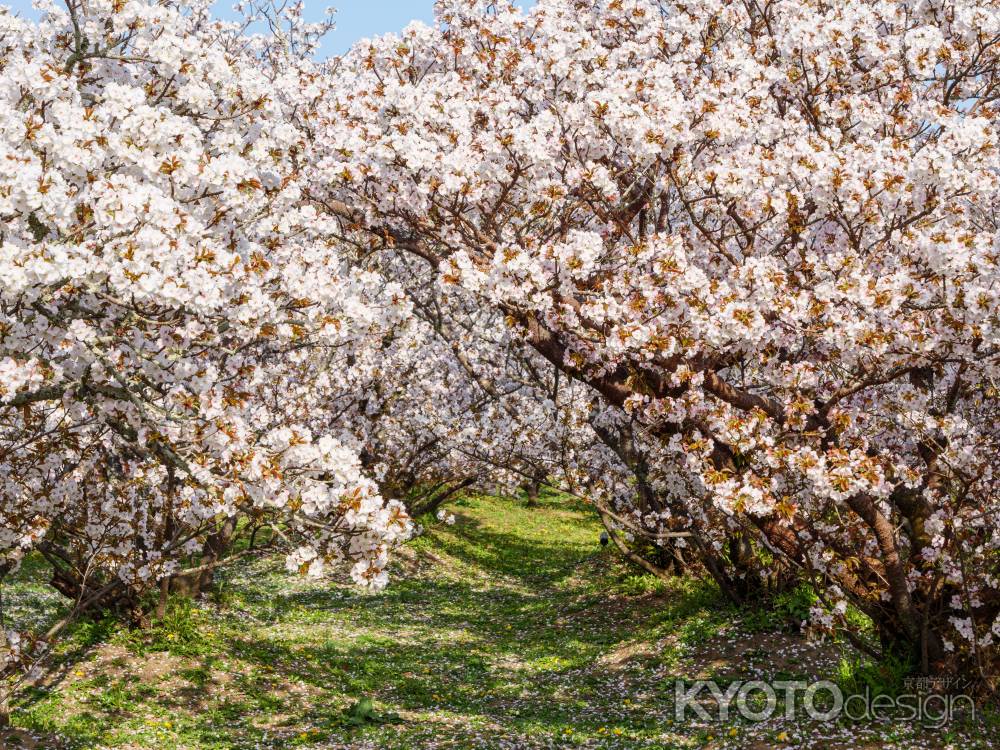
(532, 489)
(216, 546)
(214, 549)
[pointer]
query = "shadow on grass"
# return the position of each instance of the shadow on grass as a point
(502, 629)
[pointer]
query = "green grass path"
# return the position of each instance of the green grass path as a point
(510, 630)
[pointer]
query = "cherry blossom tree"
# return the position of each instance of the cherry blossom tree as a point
(452, 400)
(164, 296)
(726, 269)
(765, 231)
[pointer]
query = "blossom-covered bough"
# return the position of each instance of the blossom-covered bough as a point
(766, 231)
(163, 288)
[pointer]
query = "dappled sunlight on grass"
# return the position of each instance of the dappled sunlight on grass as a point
(511, 629)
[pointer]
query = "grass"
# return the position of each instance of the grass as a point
(510, 630)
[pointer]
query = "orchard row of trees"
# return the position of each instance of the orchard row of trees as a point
(726, 269)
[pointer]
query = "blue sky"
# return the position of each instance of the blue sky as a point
(356, 19)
